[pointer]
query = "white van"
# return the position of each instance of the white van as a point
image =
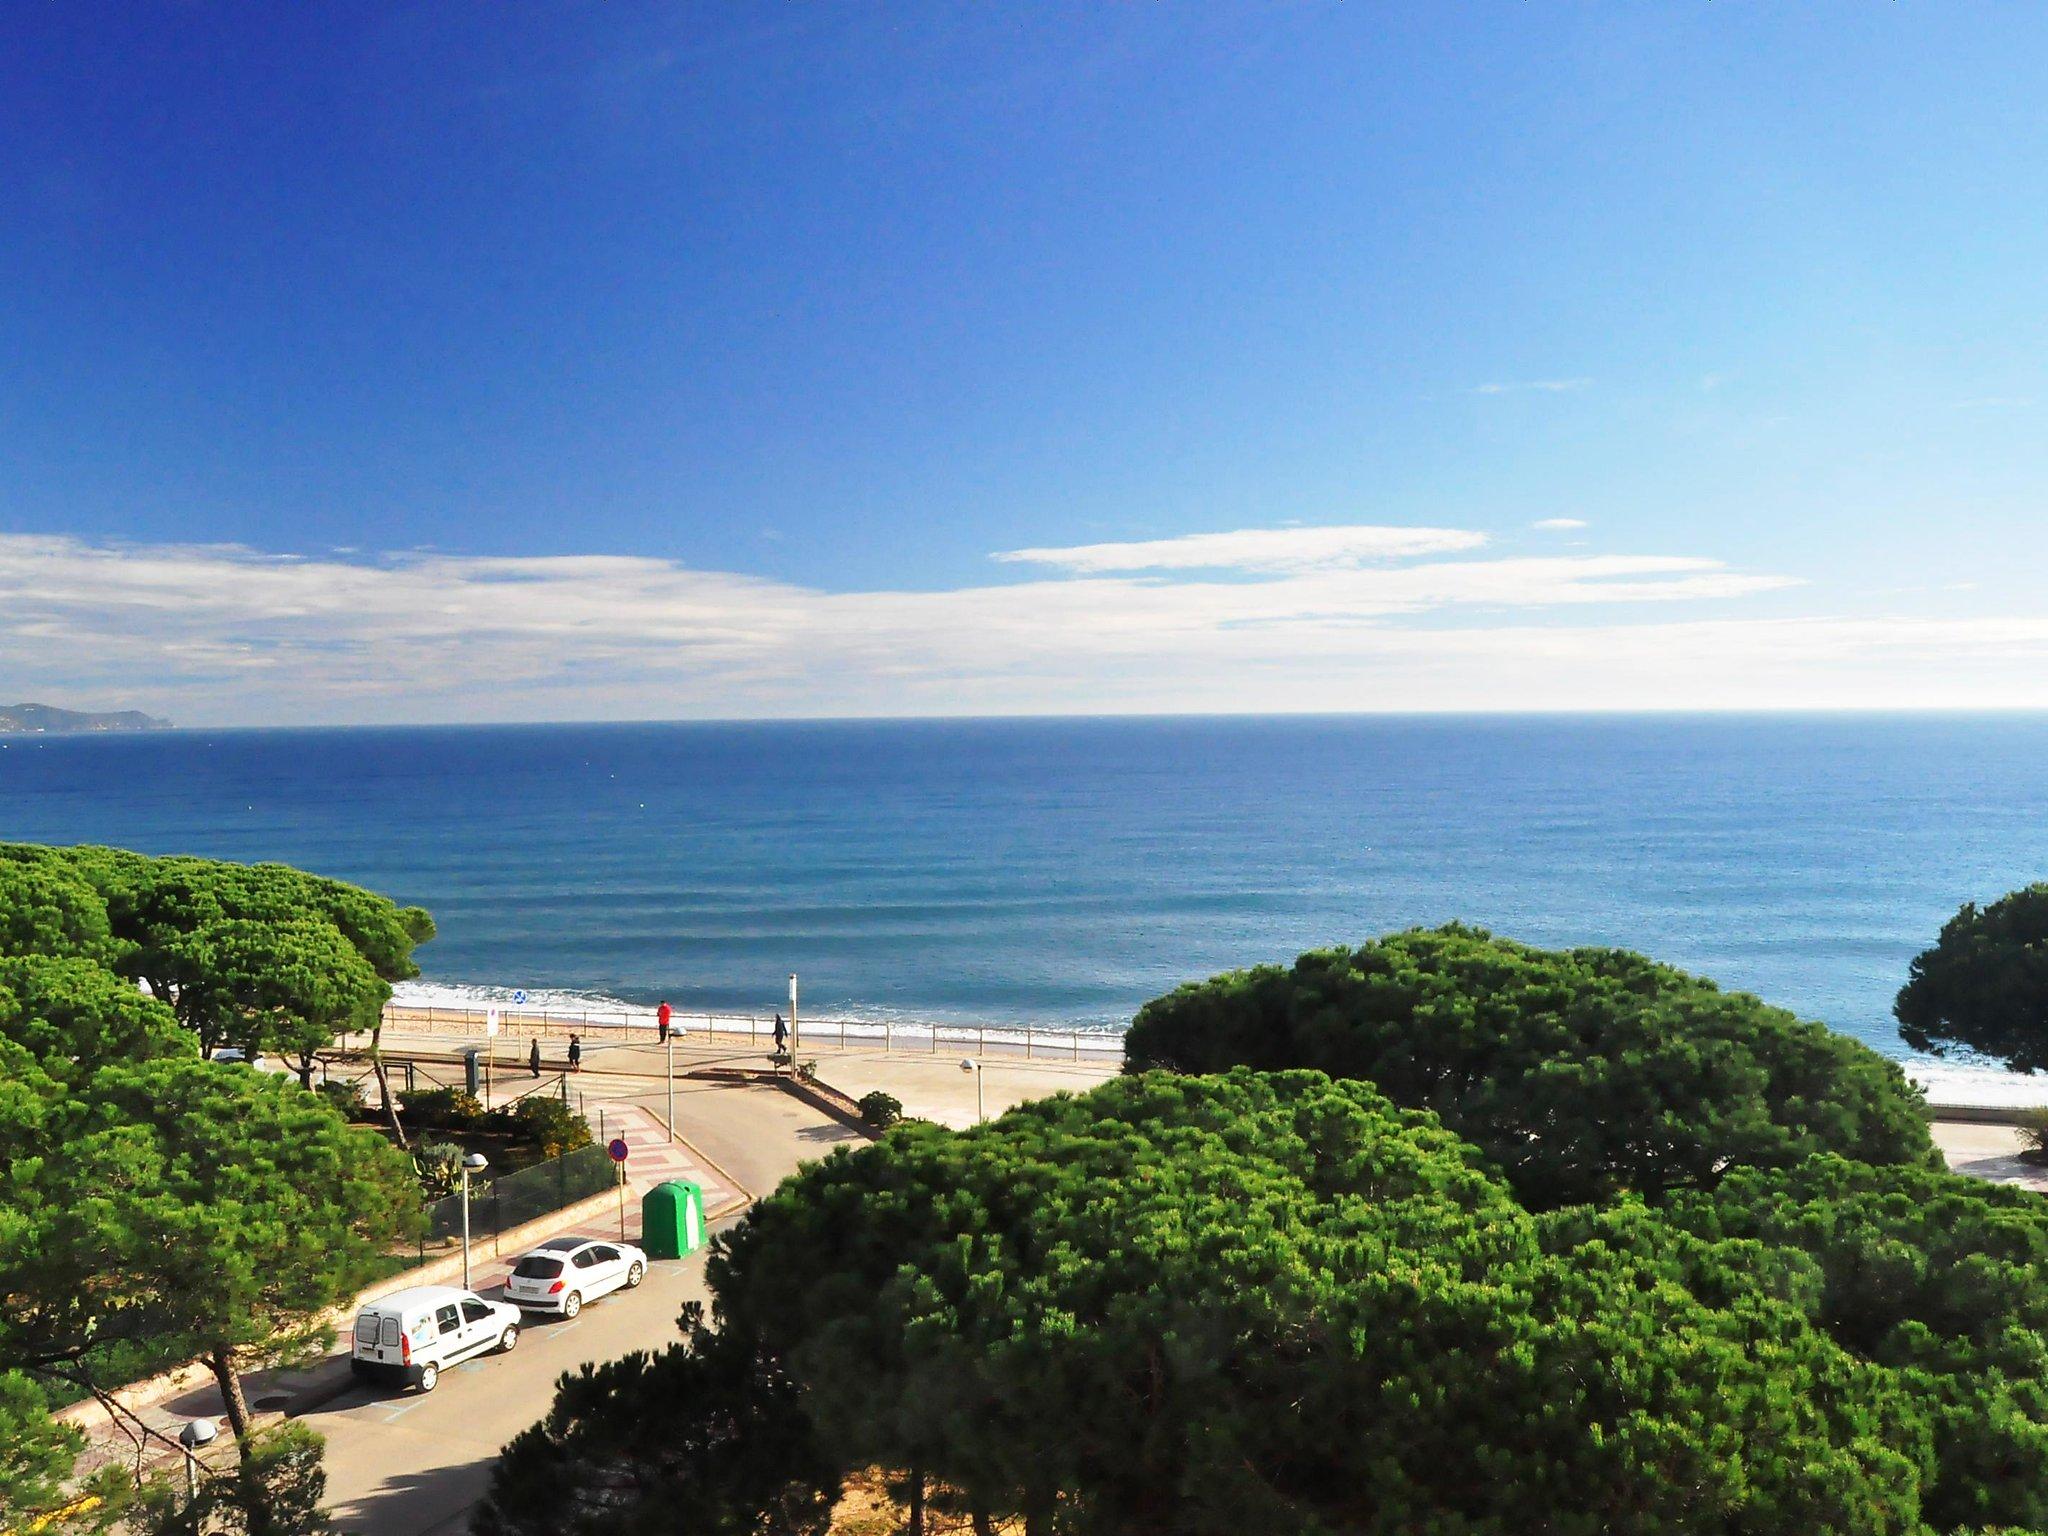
(412, 1336)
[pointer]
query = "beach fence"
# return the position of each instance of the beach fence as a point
(1024, 1042)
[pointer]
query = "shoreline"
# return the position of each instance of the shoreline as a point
(429, 1005)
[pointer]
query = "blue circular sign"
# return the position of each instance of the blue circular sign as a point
(617, 1149)
(519, 996)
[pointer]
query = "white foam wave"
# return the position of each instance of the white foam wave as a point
(1983, 1087)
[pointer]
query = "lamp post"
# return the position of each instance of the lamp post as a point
(793, 1035)
(195, 1436)
(472, 1162)
(969, 1064)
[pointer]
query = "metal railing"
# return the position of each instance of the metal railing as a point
(633, 1026)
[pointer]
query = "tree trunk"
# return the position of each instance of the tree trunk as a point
(306, 1072)
(223, 1363)
(916, 1526)
(384, 1085)
(983, 1526)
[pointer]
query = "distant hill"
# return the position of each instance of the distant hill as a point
(47, 718)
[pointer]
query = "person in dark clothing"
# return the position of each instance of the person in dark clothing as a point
(575, 1053)
(781, 1033)
(533, 1057)
(661, 1018)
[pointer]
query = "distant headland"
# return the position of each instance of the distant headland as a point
(28, 719)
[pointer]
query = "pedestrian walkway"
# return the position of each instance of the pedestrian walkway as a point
(651, 1158)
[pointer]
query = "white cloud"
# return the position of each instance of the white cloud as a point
(1559, 523)
(1288, 548)
(224, 633)
(1539, 386)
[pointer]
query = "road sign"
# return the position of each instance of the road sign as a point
(491, 1021)
(519, 996)
(617, 1149)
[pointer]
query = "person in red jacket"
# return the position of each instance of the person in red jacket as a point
(661, 1017)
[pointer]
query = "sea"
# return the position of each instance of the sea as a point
(1061, 872)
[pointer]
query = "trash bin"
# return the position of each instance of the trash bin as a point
(672, 1219)
(469, 1070)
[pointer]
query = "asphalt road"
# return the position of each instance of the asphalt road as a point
(404, 1463)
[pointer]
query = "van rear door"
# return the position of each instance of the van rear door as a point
(377, 1338)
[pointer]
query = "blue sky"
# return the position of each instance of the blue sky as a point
(645, 360)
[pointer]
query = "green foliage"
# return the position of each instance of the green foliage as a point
(36, 1456)
(446, 1109)
(440, 1168)
(260, 956)
(345, 1095)
(155, 1206)
(1937, 1277)
(46, 909)
(1982, 989)
(705, 1439)
(550, 1125)
(1274, 1304)
(1580, 1073)
(274, 1489)
(880, 1110)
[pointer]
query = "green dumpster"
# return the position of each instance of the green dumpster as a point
(672, 1219)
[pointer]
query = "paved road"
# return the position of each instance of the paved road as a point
(402, 1463)
(410, 1464)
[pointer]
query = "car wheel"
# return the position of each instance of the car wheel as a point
(572, 1304)
(636, 1274)
(508, 1340)
(430, 1376)
(360, 1369)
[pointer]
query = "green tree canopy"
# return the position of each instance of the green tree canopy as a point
(47, 909)
(1937, 1277)
(1982, 989)
(149, 1196)
(1256, 1304)
(261, 956)
(1580, 1073)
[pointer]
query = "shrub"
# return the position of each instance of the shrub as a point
(346, 1097)
(2033, 1128)
(881, 1110)
(440, 1168)
(448, 1109)
(551, 1125)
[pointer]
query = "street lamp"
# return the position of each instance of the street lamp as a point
(473, 1162)
(969, 1064)
(195, 1436)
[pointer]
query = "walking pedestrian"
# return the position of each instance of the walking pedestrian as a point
(533, 1058)
(575, 1053)
(781, 1034)
(661, 1018)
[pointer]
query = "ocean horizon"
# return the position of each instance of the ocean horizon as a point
(1061, 871)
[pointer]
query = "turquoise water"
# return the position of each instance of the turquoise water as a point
(1065, 871)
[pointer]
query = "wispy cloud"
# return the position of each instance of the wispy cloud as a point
(225, 633)
(1559, 523)
(1540, 386)
(1288, 548)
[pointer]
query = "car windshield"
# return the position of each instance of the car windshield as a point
(538, 1267)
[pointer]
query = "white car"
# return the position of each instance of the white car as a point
(565, 1272)
(412, 1336)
